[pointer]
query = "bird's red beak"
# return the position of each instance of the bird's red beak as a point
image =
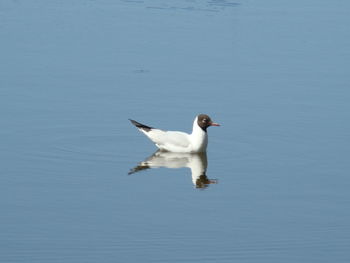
(214, 124)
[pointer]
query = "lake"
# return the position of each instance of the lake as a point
(274, 183)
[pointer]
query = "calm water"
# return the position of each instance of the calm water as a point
(275, 74)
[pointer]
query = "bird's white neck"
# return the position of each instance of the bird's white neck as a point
(199, 138)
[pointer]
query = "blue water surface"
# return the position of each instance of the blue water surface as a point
(274, 74)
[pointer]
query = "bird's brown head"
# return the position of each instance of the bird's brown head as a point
(204, 122)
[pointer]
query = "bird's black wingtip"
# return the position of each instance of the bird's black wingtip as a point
(140, 125)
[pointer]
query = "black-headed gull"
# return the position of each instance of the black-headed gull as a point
(175, 141)
(197, 162)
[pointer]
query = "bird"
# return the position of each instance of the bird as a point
(180, 142)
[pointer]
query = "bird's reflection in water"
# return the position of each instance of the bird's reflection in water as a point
(197, 162)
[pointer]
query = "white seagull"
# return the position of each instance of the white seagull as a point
(181, 142)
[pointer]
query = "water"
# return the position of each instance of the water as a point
(274, 74)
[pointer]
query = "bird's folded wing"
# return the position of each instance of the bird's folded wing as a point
(160, 137)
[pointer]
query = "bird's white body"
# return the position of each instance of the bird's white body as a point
(180, 142)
